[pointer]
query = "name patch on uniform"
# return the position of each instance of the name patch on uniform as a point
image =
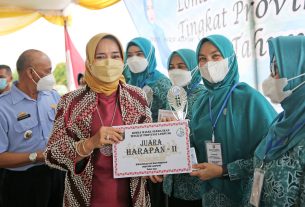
(23, 115)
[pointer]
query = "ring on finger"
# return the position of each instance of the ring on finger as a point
(107, 137)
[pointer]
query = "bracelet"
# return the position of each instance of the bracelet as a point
(84, 149)
(77, 149)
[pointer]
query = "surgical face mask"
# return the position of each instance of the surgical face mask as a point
(137, 64)
(46, 83)
(3, 83)
(215, 71)
(274, 88)
(107, 70)
(180, 77)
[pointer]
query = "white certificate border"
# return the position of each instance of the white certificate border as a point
(154, 172)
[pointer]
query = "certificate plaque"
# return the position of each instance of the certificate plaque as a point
(153, 149)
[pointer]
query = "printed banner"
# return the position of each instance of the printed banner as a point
(176, 24)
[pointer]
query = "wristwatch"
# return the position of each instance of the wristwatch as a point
(225, 173)
(33, 157)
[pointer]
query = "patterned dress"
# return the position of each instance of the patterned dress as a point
(284, 181)
(73, 122)
(160, 89)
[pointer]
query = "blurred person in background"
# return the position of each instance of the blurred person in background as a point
(27, 113)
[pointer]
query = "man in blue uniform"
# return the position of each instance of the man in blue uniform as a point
(27, 113)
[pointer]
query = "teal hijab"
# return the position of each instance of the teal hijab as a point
(189, 58)
(151, 74)
(225, 47)
(289, 53)
(240, 127)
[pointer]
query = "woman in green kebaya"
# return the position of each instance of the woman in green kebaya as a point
(142, 71)
(228, 123)
(280, 157)
(184, 190)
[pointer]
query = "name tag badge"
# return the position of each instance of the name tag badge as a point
(167, 114)
(214, 152)
(257, 186)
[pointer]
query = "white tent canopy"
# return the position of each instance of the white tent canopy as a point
(17, 14)
(37, 4)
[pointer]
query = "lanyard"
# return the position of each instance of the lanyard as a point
(282, 139)
(220, 111)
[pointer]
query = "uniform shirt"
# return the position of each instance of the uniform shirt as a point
(21, 115)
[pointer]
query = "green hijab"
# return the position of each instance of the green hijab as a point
(289, 53)
(151, 74)
(240, 127)
(189, 58)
